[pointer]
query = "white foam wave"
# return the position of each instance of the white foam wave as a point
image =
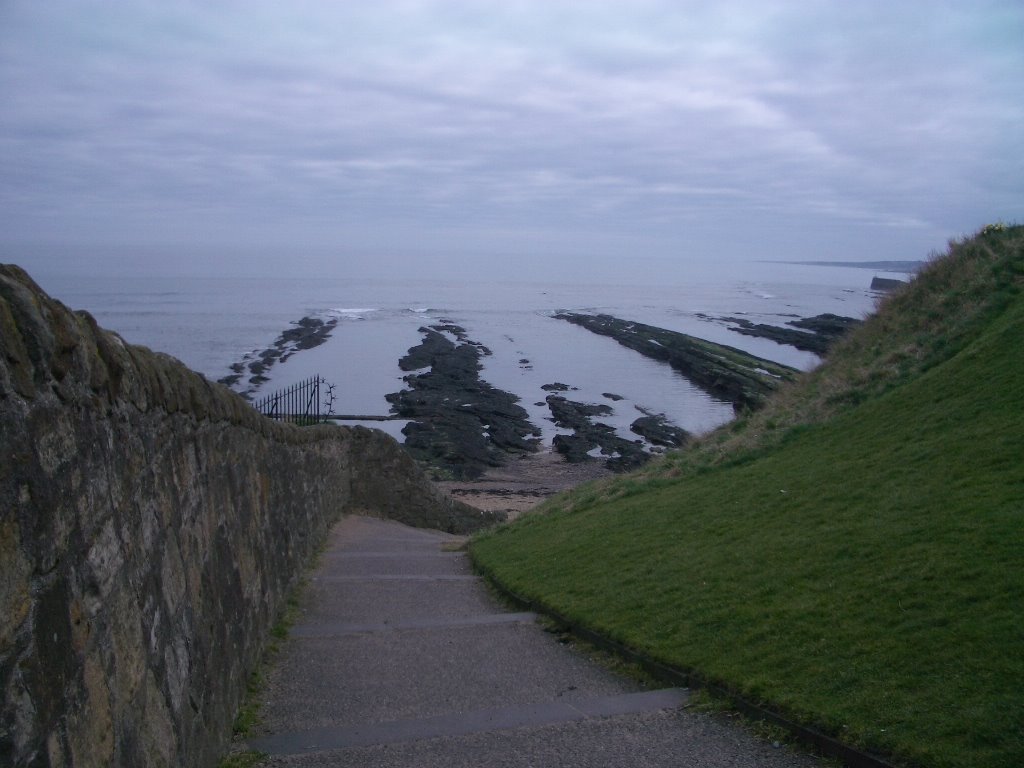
(353, 312)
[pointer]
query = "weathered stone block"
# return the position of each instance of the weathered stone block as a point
(151, 526)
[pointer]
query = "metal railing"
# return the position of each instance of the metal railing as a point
(304, 403)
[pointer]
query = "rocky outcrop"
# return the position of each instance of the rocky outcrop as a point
(592, 439)
(811, 334)
(731, 374)
(458, 422)
(151, 526)
(307, 333)
(886, 284)
(656, 429)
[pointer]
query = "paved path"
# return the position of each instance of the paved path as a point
(402, 658)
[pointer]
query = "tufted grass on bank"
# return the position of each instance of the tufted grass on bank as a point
(854, 555)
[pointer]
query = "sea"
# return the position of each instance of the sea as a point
(211, 323)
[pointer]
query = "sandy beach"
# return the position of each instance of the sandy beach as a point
(524, 482)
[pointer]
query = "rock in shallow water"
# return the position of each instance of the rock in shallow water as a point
(658, 430)
(458, 422)
(811, 334)
(307, 333)
(731, 374)
(589, 436)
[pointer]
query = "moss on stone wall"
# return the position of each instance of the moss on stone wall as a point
(151, 525)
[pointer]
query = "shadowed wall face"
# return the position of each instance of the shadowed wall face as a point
(151, 525)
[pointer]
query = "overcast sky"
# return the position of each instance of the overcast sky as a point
(221, 136)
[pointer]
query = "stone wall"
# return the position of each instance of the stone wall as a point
(151, 526)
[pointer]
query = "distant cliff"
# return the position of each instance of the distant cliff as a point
(151, 526)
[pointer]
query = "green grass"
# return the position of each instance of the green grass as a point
(247, 759)
(859, 566)
(248, 715)
(249, 711)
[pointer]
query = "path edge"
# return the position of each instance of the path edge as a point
(822, 743)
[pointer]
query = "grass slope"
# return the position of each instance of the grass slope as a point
(853, 556)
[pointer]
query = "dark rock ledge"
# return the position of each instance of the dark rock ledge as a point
(458, 422)
(656, 429)
(725, 372)
(811, 334)
(589, 435)
(307, 333)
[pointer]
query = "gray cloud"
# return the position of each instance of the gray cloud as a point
(751, 129)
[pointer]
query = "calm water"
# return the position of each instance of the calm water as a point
(211, 323)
